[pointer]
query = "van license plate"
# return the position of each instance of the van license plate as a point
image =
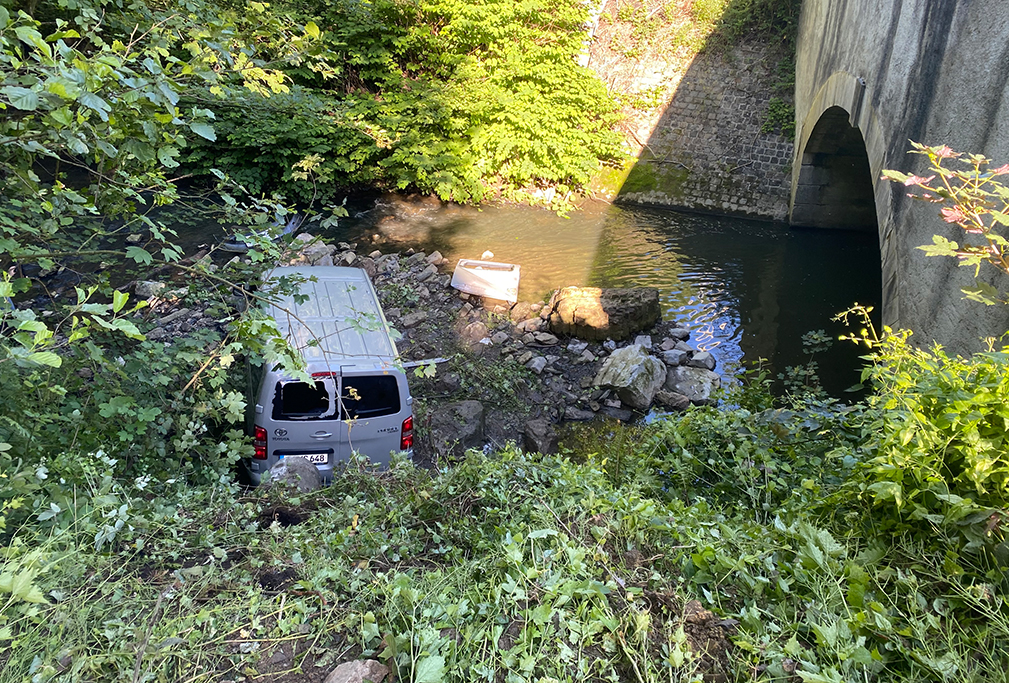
(315, 458)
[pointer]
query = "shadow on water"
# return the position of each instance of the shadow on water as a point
(747, 289)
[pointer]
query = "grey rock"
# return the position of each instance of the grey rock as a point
(644, 341)
(416, 258)
(594, 313)
(617, 413)
(528, 338)
(586, 357)
(546, 338)
(295, 473)
(158, 334)
(540, 437)
(326, 260)
(702, 359)
(358, 671)
(674, 357)
(532, 325)
(520, 311)
(499, 338)
(610, 345)
(427, 273)
(672, 400)
(367, 264)
(668, 344)
(537, 364)
(173, 316)
(577, 347)
(392, 313)
(474, 332)
(524, 358)
(578, 415)
(680, 333)
(413, 319)
(685, 347)
(435, 258)
(456, 428)
(388, 264)
(135, 238)
(694, 383)
(633, 374)
(145, 289)
(374, 255)
(347, 258)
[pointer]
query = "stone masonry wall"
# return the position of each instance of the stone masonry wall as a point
(706, 152)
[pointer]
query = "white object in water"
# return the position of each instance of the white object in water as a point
(487, 255)
(488, 279)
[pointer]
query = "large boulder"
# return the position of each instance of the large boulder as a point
(457, 427)
(595, 314)
(694, 383)
(633, 374)
(540, 437)
(294, 473)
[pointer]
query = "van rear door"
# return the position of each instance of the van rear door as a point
(304, 421)
(373, 406)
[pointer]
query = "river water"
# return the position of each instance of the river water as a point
(748, 290)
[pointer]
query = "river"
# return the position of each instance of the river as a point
(747, 289)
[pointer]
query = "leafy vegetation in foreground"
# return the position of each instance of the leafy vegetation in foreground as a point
(831, 543)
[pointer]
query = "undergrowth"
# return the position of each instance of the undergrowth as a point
(790, 539)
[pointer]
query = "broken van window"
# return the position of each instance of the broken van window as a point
(369, 396)
(302, 401)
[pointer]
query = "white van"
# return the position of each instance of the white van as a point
(359, 400)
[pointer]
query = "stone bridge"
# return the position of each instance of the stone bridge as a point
(870, 76)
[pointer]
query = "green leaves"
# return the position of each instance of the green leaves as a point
(21, 98)
(204, 130)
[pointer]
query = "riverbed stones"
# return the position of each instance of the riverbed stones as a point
(427, 273)
(633, 374)
(702, 359)
(367, 264)
(411, 320)
(546, 338)
(674, 357)
(595, 314)
(540, 437)
(456, 428)
(537, 364)
(680, 333)
(578, 414)
(672, 400)
(644, 340)
(694, 383)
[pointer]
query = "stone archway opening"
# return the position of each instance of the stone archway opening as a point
(835, 186)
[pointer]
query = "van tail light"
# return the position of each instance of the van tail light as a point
(259, 442)
(406, 435)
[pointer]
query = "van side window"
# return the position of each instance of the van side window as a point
(301, 401)
(369, 396)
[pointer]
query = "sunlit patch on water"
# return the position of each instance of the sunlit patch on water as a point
(746, 289)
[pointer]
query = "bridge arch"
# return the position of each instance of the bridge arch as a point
(839, 155)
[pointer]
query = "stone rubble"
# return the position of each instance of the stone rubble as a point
(558, 375)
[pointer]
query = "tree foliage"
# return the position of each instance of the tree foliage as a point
(460, 99)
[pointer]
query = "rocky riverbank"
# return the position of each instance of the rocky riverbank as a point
(513, 372)
(503, 372)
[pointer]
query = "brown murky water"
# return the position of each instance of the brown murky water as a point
(747, 289)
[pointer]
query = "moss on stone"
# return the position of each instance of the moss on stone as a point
(608, 182)
(667, 179)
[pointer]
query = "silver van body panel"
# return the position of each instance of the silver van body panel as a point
(345, 339)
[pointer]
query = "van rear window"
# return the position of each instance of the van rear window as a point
(301, 401)
(369, 396)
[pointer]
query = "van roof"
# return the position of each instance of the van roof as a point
(341, 312)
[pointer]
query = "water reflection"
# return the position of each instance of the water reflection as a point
(747, 289)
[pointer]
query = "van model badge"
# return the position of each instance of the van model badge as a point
(280, 432)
